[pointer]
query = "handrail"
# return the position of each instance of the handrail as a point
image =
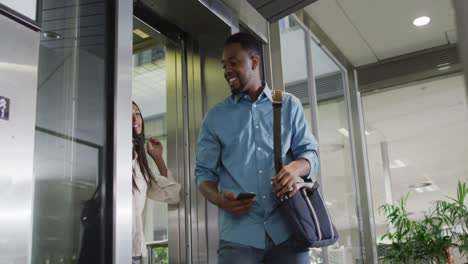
(155, 244)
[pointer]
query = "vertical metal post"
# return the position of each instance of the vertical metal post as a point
(386, 172)
(275, 57)
(313, 101)
(186, 140)
(122, 248)
(313, 104)
(461, 9)
(361, 171)
(267, 61)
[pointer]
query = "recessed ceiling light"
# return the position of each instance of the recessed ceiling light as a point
(344, 132)
(397, 164)
(424, 187)
(443, 64)
(51, 35)
(421, 21)
(419, 190)
(443, 68)
(140, 33)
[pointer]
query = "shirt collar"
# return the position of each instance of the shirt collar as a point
(266, 92)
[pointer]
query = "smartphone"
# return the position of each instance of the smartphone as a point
(245, 195)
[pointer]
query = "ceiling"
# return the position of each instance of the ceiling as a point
(367, 31)
(272, 10)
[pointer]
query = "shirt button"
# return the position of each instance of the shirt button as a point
(254, 105)
(256, 126)
(264, 196)
(259, 149)
(260, 171)
(265, 223)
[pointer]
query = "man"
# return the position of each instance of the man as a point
(235, 154)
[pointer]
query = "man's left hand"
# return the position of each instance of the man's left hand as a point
(287, 179)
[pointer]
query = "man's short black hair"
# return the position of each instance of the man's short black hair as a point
(247, 41)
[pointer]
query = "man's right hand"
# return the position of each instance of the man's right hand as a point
(228, 202)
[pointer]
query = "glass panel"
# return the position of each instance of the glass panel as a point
(71, 134)
(336, 157)
(152, 58)
(420, 129)
(295, 77)
(294, 59)
(336, 175)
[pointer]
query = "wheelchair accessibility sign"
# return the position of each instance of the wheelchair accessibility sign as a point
(4, 108)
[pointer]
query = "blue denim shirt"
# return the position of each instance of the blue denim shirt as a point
(235, 149)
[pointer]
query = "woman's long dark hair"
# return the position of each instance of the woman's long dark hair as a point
(141, 152)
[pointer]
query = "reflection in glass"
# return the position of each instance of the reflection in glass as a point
(70, 149)
(336, 157)
(150, 75)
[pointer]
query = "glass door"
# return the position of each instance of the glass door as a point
(336, 160)
(73, 150)
(157, 90)
(318, 81)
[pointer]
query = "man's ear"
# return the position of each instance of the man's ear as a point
(255, 61)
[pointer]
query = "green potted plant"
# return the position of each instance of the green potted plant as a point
(427, 240)
(454, 214)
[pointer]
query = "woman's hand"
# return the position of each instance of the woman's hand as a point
(154, 148)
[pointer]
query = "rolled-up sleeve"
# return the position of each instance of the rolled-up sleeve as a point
(164, 189)
(208, 153)
(303, 145)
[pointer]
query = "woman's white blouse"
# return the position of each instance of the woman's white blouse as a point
(163, 189)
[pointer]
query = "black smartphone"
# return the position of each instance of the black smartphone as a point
(245, 195)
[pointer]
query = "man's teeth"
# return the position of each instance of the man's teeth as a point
(232, 80)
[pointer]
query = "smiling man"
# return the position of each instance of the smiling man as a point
(235, 155)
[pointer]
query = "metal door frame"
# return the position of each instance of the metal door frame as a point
(122, 189)
(122, 247)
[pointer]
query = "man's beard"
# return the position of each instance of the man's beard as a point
(238, 90)
(242, 88)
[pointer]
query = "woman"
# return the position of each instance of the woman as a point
(145, 184)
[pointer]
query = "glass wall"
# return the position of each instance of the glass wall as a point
(327, 114)
(416, 141)
(69, 222)
(336, 162)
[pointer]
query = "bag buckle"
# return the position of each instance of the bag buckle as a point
(277, 96)
(284, 198)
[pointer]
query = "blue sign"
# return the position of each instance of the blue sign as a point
(4, 108)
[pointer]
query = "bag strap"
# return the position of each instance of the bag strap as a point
(277, 96)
